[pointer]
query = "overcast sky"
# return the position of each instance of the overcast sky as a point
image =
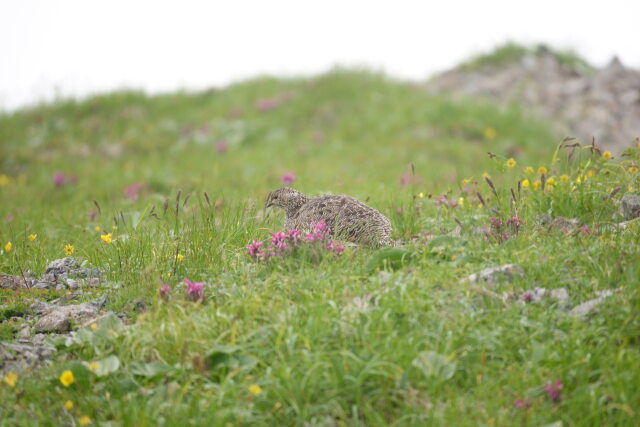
(77, 47)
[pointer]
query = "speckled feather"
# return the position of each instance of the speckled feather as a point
(348, 218)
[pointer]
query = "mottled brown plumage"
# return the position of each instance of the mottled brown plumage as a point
(347, 218)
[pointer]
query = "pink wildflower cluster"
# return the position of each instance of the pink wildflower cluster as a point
(288, 178)
(443, 201)
(500, 231)
(284, 243)
(195, 290)
(553, 391)
(132, 192)
(165, 291)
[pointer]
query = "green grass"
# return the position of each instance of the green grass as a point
(328, 342)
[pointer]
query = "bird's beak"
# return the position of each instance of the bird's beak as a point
(268, 203)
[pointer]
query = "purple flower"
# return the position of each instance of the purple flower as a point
(553, 391)
(520, 403)
(294, 235)
(335, 247)
(221, 146)
(585, 230)
(288, 178)
(93, 214)
(165, 290)
(132, 192)
(195, 291)
(59, 179)
(527, 296)
(253, 249)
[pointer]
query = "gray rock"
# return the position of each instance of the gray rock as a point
(631, 206)
(57, 269)
(43, 285)
(14, 282)
(57, 319)
(23, 333)
(24, 356)
(60, 287)
(73, 283)
(560, 294)
(588, 306)
(493, 275)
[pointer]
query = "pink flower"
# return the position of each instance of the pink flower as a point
(585, 230)
(93, 214)
(165, 290)
(520, 403)
(195, 290)
(288, 178)
(294, 234)
(527, 296)
(221, 146)
(253, 249)
(405, 180)
(553, 391)
(59, 179)
(267, 104)
(335, 247)
(132, 192)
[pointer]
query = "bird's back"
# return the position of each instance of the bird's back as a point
(348, 218)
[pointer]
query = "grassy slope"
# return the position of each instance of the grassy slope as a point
(319, 357)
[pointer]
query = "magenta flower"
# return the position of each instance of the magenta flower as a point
(294, 234)
(288, 178)
(165, 290)
(195, 290)
(527, 296)
(585, 230)
(553, 391)
(278, 240)
(59, 179)
(335, 247)
(221, 146)
(93, 214)
(253, 249)
(132, 192)
(520, 403)
(267, 104)
(405, 180)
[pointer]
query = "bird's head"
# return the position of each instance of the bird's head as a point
(286, 198)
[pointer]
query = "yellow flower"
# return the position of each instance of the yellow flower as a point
(525, 183)
(114, 227)
(629, 188)
(551, 181)
(8, 247)
(549, 187)
(94, 326)
(98, 228)
(67, 378)
(480, 206)
(542, 170)
(69, 249)
(84, 420)
(633, 169)
(486, 175)
(465, 181)
(591, 173)
(10, 379)
(489, 133)
(4, 180)
(32, 237)
(179, 257)
(68, 405)
(93, 366)
(106, 238)
(421, 195)
(606, 155)
(461, 201)
(255, 389)
(537, 184)
(511, 163)
(528, 170)
(579, 180)
(564, 178)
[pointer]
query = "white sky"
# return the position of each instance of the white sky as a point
(78, 47)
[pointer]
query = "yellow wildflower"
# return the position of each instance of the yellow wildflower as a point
(525, 183)
(511, 163)
(564, 178)
(84, 420)
(548, 187)
(551, 181)
(537, 184)
(486, 175)
(8, 247)
(461, 201)
(255, 389)
(32, 237)
(94, 326)
(10, 379)
(579, 180)
(114, 227)
(4, 180)
(489, 133)
(93, 366)
(542, 170)
(465, 181)
(69, 249)
(421, 195)
(68, 405)
(629, 188)
(480, 206)
(606, 155)
(591, 173)
(106, 238)
(98, 228)
(633, 169)
(179, 257)
(67, 378)
(528, 170)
